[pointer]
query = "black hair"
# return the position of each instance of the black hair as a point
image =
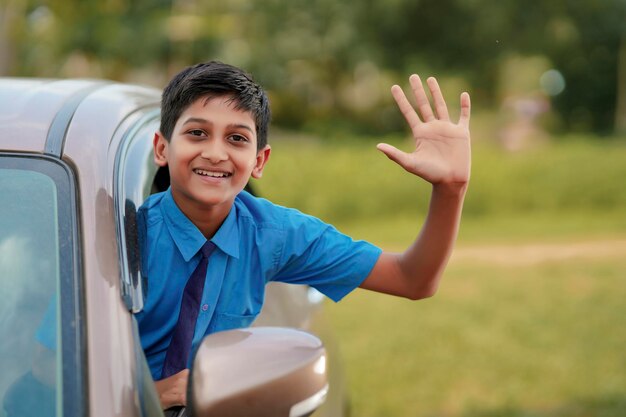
(214, 79)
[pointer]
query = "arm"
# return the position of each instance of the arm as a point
(173, 390)
(441, 157)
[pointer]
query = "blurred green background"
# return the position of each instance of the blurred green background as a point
(530, 319)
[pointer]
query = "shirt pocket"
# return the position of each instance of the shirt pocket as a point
(227, 321)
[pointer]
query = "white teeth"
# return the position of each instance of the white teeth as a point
(214, 174)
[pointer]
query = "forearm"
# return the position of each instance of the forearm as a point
(423, 263)
(415, 274)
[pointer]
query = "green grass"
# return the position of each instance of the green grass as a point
(350, 183)
(543, 340)
(397, 232)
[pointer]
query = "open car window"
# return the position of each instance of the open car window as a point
(135, 175)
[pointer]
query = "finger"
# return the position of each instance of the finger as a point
(466, 106)
(440, 104)
(395, 154)
(405, 107)
(423, 105)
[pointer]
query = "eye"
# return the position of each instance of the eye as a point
(196, 132)
(239, 138)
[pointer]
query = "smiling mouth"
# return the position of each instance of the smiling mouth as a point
(212, 174)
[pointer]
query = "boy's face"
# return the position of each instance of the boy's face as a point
(211, 155)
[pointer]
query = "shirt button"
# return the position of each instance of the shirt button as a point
(205, 307)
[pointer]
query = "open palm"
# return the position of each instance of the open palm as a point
(442, 148)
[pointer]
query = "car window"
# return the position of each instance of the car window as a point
(135, 172)
(39, 354)
(135, 175)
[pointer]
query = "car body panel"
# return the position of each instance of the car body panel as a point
(92, 152)
(28, 108)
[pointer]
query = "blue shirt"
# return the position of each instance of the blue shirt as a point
(258, 242)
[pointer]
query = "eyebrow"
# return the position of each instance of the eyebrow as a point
(205, 121)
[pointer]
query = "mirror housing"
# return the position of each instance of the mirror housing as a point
(258, 372)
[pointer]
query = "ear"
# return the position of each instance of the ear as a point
(262, 157)
(160, 146)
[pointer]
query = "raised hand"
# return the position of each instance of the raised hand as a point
(442, 148)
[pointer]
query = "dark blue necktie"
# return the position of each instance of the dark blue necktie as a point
(178, 352)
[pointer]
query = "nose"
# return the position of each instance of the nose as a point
(214, 150)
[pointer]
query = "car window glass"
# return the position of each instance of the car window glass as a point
(29, 275)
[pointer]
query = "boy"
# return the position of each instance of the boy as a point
(213, 138)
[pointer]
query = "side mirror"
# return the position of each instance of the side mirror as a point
(258, 372)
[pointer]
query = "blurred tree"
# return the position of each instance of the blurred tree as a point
(12, 19)
(443, 36)
(581, 38)
(620, 111)
(329, 60)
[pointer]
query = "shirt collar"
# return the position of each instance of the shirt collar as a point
(227, 236)
(187, 236)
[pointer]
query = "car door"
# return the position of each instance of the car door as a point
(136, 177)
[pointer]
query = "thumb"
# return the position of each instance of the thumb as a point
(399, 157)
